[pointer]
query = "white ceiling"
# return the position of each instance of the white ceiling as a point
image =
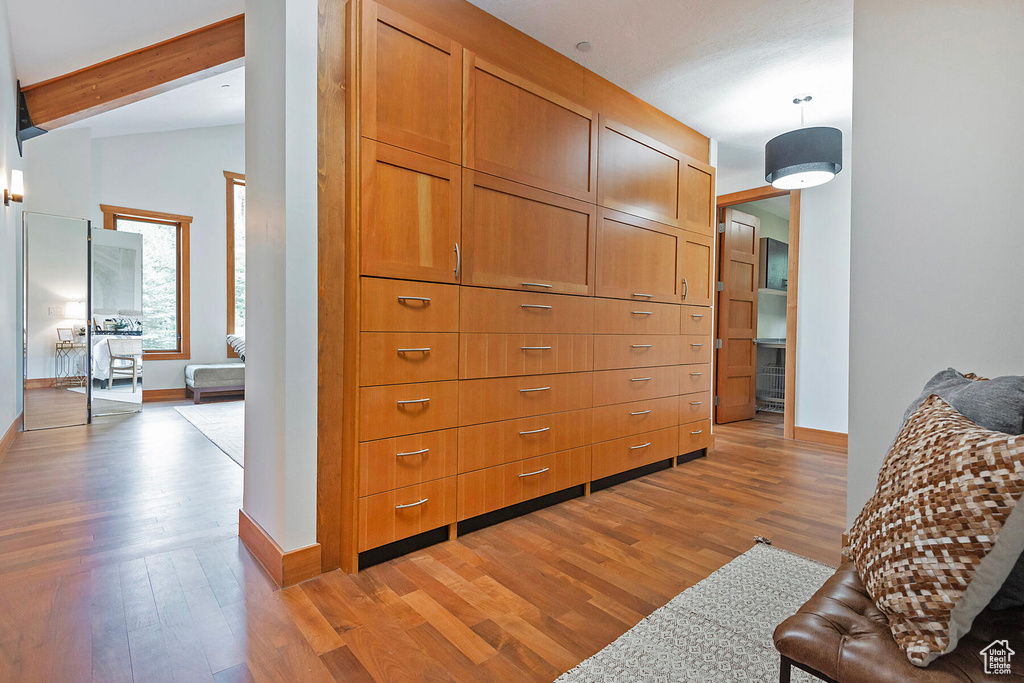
(196, 105)
(778, 206)
(728, 68)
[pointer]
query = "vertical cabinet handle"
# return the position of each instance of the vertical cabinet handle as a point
(686, 289)
(458, 261)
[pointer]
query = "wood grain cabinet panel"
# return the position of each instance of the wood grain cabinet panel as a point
(517, 130)
(489, 400)
(619, 455)
(518, 237)
(400, 409)
(412, 85)
(404, 357)
(403, 306)
(639, 175)
(495, 310)
(628, 419)
(638, 259)
(694, 436)
(635, 384)
(697, 258)
(695, 320)
(494, 488)
(698, 199)
(388, 464)
(499, 443)
(505, 355)
(694, 407)
(612, 351)
(613, 316)
(695, 348)
(694, 378)
(394, 515)
(411, 208)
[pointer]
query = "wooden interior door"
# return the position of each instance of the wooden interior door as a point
(736, 370)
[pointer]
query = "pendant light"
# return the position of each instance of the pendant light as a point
(804, 157)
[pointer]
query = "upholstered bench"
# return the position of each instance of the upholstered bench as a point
(214, 378)
(839, 635)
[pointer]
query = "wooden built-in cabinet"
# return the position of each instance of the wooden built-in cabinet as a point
(531, 307)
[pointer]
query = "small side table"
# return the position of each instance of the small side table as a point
(69, 364)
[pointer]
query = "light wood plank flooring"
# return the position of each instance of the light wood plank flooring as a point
(119, 562)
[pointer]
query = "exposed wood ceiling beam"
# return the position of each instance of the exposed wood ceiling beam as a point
(136, 75)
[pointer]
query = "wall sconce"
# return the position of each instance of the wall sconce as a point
(17, 191)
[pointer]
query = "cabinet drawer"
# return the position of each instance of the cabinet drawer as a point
(612, 316)
(622, 386)
(636, 417)
(695, 348)
(634, 351)
(694, 407)
(619, 455)
(394, 515)
(498, 443)
(695, 320)
(694, 436)
(402, 357)
(489, 400)
(504, 355)
(495, 310)
(694, 378)
(407, 409)
(400, 306)
(406, 460)
(493, 488)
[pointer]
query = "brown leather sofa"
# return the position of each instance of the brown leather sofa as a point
(839, 635)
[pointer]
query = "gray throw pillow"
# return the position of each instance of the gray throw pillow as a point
(237, 344)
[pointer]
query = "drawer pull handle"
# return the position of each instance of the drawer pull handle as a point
(646, 296)
(696, 374)
(696, 315)
(415, 400)
(424, 299)
(643, 445)
(535, 348)
(536, 306)
(643, 312)
(530, 474)
(537, 284)
(411, 505)
(699, 431)
(696, 403)
(641, 379)
(535, 431)
(419, 452)
(425, 349)
(696, 345)
(524, 391)
(641, 412)
(643, 346)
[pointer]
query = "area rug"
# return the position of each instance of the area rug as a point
(717, 630)
(221, 423)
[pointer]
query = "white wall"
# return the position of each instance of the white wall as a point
(936, 276)
(10, 239)
(179, 172)
(281, 269)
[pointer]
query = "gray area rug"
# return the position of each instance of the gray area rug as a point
(221, 423)
(717, 630)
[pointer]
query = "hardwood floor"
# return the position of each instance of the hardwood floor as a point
(119, 562)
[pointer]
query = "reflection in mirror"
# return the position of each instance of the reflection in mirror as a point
(117, 322)
(56, 282)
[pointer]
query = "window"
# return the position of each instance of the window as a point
(165, 278)
(236, 254)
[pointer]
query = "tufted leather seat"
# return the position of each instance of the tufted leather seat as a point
(840, 635)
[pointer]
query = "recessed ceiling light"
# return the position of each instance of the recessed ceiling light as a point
(226, 85)
(584, 46)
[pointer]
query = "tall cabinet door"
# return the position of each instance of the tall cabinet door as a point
(517, 130)
(638, 259)
(412, 85)
(697, 258)
(410, 215)
(698, 208)
(518, 237)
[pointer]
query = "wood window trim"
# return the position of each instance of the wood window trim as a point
(184, 223)
(230, 180)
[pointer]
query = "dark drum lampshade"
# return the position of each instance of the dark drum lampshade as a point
(803, 158)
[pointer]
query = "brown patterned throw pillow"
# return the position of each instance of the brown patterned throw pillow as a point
(943, 529)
